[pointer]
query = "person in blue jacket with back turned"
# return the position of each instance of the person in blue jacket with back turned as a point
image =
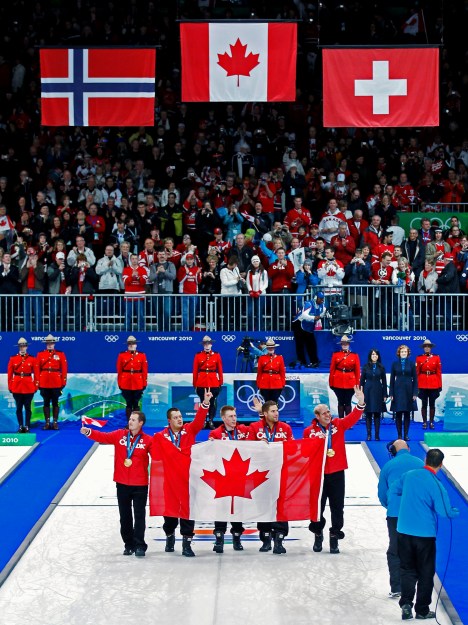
(401, 462)
(423, 499)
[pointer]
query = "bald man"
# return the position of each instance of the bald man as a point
(400, 462)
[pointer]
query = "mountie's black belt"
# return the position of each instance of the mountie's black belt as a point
(52, 370)
(345, 370)
(23, 375)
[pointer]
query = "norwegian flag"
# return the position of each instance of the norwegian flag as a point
(100, 423)
(98, 87)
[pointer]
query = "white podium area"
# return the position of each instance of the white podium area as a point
(456, 463)
(10, 456)
(74, 572)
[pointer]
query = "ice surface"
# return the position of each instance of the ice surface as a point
(74, 572)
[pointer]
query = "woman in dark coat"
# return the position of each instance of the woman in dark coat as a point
(403, 389)
(374, 384)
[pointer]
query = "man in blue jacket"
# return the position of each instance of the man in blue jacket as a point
(423, 499)
(401, 462)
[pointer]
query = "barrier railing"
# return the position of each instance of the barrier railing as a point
(383, 308)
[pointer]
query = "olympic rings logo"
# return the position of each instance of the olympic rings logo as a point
(458, 414)
(111, 338)
(462, 337)
(228, 338)
(416, 222)
(246, 394)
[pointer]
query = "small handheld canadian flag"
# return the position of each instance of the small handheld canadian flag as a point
(100, 423)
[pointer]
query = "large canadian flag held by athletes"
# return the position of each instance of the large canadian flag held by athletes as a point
(97, 86)
(237, 481)
(238, 62)
(371, 87)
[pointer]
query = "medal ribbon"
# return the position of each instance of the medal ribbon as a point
(270, 437)
(175, 439)
(329, 437)
(232, 435)
(131, 448)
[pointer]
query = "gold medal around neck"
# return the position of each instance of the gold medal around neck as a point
(128, 462)
(330, 453)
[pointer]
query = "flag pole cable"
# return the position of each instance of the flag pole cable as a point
(424, 25)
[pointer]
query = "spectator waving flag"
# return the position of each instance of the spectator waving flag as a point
(97, 86)
(381, 87)
(237, 481)
(100, 423)
(238, 61)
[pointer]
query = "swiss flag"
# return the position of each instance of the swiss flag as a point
(365, 87)
(237, 481)
(238, 62)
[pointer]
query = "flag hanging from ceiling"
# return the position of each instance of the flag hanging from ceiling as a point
(380, 87)
(238, 62)
(97, 86)
(237, 480)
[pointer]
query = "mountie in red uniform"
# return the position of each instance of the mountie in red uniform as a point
(429, 371)
(207, 370)
(259, 431)
(344, 370)
(137, 473)
(52, 369)
(338, 462)
(22, 374)
(132, 371)
(271, 372)
(22, 383)
(239, 433)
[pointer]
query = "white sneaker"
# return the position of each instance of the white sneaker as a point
(394, 595)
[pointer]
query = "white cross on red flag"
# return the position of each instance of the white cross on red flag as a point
(380, 87)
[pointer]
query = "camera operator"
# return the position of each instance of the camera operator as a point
(309, 318)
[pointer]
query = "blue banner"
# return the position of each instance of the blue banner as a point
(96, 352)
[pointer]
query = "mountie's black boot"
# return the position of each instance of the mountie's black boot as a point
(334, 544)
(170, 542)
(278, 544)
(318, 542)
(265, 537)
(236, 542)
(187, 547)
(219, 542)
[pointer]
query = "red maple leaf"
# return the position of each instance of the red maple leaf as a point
(239, 64)
(235, 482)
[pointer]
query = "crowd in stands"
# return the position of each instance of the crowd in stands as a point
(250, 198)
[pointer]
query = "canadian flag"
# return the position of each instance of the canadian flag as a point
(6, 224)
(387, 87)
(238, 62)
(238, 481)
(100, 423)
